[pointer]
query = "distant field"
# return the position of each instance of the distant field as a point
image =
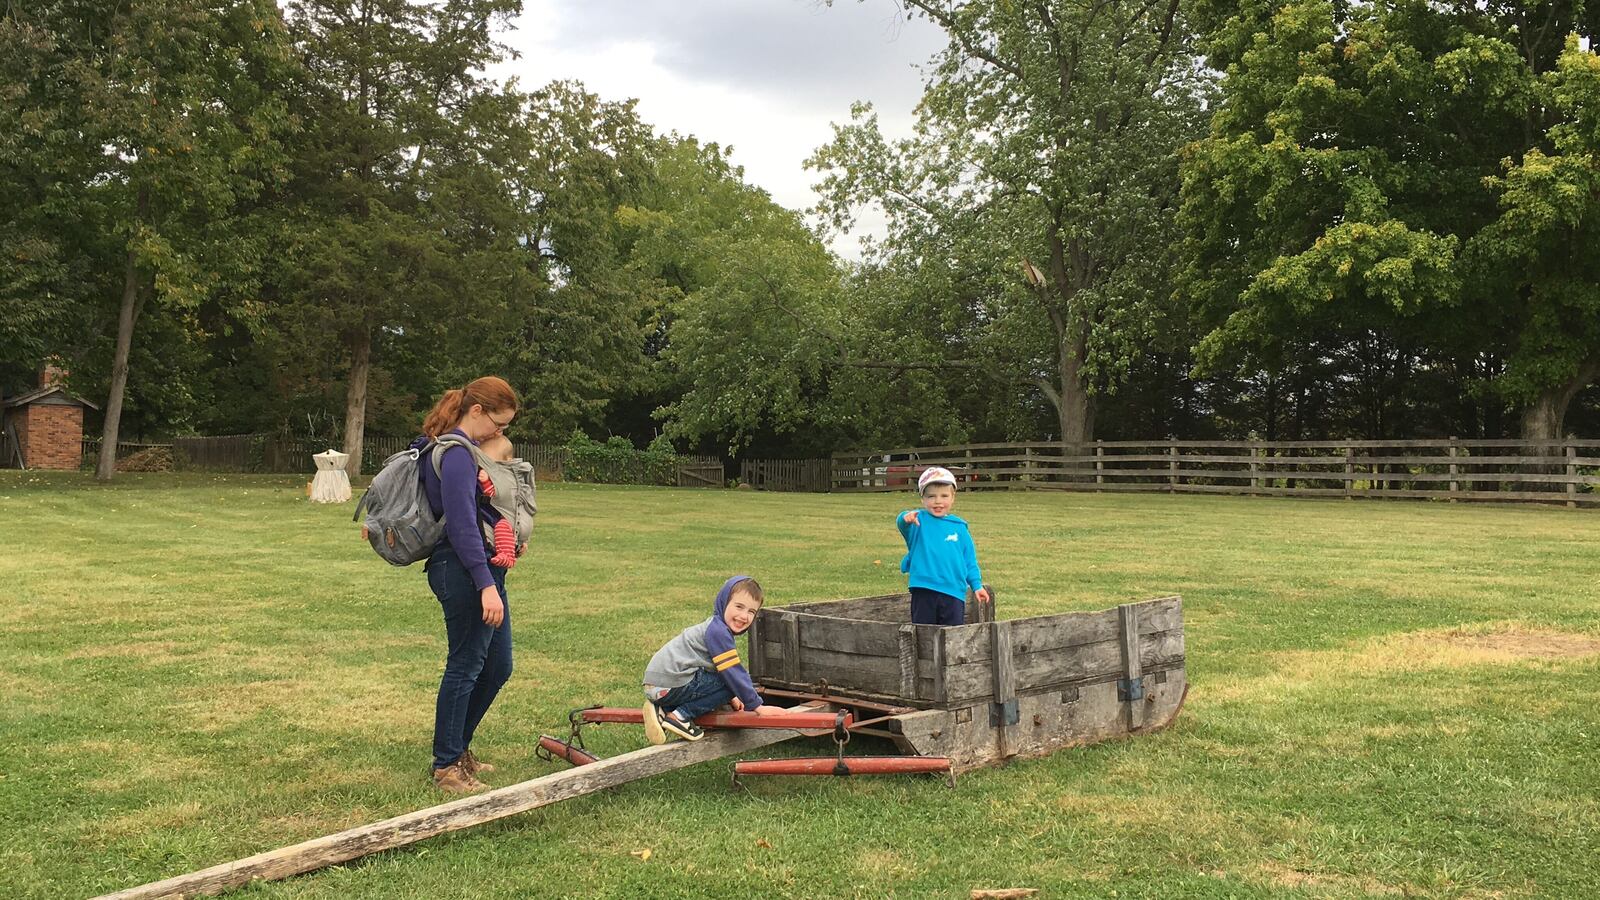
(1387, 698)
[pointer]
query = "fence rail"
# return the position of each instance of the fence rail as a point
(1566, 471)
(787, 474)
(276, 455)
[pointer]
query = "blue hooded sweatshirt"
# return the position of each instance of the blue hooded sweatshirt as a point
(940, 555)
(706, 645)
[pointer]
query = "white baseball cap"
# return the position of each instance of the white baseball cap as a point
(934, 475)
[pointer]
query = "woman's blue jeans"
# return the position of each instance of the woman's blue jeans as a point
(480, 656)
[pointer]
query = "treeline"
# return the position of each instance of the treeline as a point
(1117, 220)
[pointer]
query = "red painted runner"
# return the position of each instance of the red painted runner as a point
(566, 751)
(850, 765)
(802, 721)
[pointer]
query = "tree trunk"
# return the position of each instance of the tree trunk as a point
(1543, 418)
(1075, 408)
(126, 317)
(355, 399)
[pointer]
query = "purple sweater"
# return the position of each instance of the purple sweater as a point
(454, 495)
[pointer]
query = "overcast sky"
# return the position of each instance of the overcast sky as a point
(765, 77)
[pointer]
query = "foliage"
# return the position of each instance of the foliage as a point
(1036, 195)
(617, 462)
(1348, 193)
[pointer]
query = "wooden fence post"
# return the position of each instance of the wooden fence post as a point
(1027, 464)
(1572, 477)
(1099, 462)
(1255, 468)
(1349, 473)
(1455, 469)
(1172, 467)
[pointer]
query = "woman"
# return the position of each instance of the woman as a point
(477, 618)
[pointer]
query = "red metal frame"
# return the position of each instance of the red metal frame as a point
(574, 755)
(848, 765)
(797, 721)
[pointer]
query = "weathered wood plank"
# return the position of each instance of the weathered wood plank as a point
(882, 608)
(874, 674)
(908, 661)
(1039, 633)
(1035, 671)
(456, 815)
(789, 636)
(1128, 638)
(1003, 666)
(849, 636)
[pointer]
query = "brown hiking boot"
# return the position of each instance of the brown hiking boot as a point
(454, 779)
(474, 765)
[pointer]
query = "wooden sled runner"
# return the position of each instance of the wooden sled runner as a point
(950, 699)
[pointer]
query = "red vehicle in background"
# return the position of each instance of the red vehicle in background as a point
(902, 471)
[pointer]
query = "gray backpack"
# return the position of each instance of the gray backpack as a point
(400, 524)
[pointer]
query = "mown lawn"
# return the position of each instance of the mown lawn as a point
(1387, 698)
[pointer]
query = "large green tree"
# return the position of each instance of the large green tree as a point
(1404, 174)
(1039, 187)
(390, 97)
(146, 130)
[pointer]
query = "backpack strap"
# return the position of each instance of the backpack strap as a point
(444, 442)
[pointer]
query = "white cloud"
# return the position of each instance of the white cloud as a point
(765, 77)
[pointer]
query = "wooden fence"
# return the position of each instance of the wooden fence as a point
(274, 454)
(1567, 471)
(787, 474)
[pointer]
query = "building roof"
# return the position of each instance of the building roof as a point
(38, 394)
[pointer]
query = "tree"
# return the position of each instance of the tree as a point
(163, 121)
(1380, 174)
(389, 98)
(1040, 184)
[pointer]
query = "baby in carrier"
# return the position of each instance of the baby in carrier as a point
(507, 505)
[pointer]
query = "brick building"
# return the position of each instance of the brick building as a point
(43, 428)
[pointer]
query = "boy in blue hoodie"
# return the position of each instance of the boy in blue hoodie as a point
(941, 560)
(699, 670)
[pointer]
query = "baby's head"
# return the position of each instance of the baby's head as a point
(497, 447)
(744, 601)
(938, 489)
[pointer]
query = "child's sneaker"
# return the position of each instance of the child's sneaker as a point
(652, 723)
(689, 731)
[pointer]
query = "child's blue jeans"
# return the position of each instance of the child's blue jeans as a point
(705, 692)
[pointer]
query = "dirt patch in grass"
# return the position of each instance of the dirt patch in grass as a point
(1497, 643)
(1282, 876)
(1524, 644)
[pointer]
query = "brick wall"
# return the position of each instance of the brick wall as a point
(51, 436)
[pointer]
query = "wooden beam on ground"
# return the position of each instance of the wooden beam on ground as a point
(456, 815)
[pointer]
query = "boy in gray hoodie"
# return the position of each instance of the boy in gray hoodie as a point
(699, 670)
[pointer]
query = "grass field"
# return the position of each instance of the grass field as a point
(1386, 698)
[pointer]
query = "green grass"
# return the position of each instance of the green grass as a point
(1387, 697)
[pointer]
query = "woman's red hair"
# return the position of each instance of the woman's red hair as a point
(490, 391)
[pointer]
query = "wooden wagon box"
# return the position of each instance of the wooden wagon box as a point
(986, 691)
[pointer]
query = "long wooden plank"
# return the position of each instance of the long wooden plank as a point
(1034, 671)
(464, 813)
(1039, 633)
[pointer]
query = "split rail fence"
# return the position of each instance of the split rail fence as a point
(1566, 471)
